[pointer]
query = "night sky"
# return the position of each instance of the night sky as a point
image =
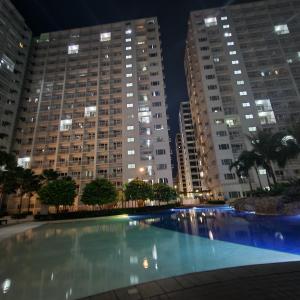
(51, 15)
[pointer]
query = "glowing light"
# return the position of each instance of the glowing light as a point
(145, 263)
(210, 235)
(6, 285)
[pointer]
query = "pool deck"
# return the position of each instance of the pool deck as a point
(268, 281)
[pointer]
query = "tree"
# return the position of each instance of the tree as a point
(49, 175)
(99, 191)
(58, 192)
(163, 192)
(138, 190)
(27, 183)
(8, 185)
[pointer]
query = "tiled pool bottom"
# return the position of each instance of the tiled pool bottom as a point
(73, 260)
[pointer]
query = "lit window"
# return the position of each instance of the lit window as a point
(226, 26)
(243, 93)
(262, 171)
(246, 104)
(21, 45)
(252, 129)
(216, 59)
(211, 21)
(105, 36)
(130, 127)
(144, 68)
(129, 66)
(281, 29)
(141, 43)
(128, 40)
(129, 84)
(240, 82)
(128, 48)
(128, 56)
(129, 105)
(224, 18)
(232, 52)
(227, 34)
(130, 140)
(236, 72)
(235, 62)
(129, 75)
(265, 111)
(128, 95)
(7, 62)
(73, 49)
(131, 166)
(65, 125)
(128, 31)
(230, 43)
(24, 162)
(130, 152)
(249, 116)
(155, 93)
(90, 111)
(298, 54)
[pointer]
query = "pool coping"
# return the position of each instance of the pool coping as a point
(263, 281)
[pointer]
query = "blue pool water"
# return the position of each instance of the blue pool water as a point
(70, 260)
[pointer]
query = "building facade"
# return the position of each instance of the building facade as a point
(189, 164)
(15, 37)
(242, 66)
(94, 105)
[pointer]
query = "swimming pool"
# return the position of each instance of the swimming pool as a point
(75, 259)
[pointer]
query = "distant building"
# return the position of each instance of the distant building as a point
(15, 39)
(189, 163)
(94, 105)
(242, 66)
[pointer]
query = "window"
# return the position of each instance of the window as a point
(230, 43)
(236, 72)
(221, 133)
(240, 82)
(129, 75)
(207, 67)
(216, 109)
(156, 104)
(129, 105)
(142, 43)
(252, 129)
(210, 76)
(227, 34)
(210, 21)
(265, 111)
(219, 121)
(128, 95)
(155, 93)
(262, 172)
(162, 166)
(130, 140)
(129, 66)
(128, 48)
(226, 162)
(226, 26)
(205, 48)
(229, 176)
(232, 52)
(131, 166)
(24, 162)
(128, 31)
(235, 62)
(128, 56)
(130, 127)
(216, 59)
(105, 36)
(246, 104)
(223, 146)
(250, 116)
(243, 93)
(130, 152)
(158, 127)
(129, 84)
(65, 125)
(7, 62)
(128, 40)
(160, 151)
(212, 87)
(154, 83)
(224, 18)
(90, 111)
(214, 98)
(73, 49)
(281, 29)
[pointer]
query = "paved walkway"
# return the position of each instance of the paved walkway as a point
(270, 281)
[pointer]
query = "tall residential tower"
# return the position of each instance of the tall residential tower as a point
(94, 104)
(15, 39)
(242, 66)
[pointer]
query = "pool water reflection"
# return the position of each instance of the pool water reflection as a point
(76, 259)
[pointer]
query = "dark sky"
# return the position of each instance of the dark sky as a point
(51, 15)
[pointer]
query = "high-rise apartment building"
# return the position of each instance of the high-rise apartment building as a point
(15, 39)
(242, 66)
(189, 164)
(94, 104)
